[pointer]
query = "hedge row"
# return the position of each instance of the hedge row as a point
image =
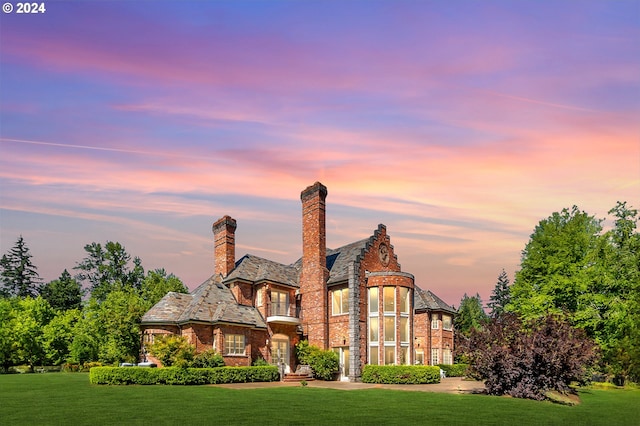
(181, 376)
(401, 374)
(454, 370)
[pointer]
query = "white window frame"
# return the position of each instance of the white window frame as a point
(340, 299)
(434, 322)
(232, 343)
(435, 356)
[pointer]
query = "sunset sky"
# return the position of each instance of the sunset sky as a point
(459, 125)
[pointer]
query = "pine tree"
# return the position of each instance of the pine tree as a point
(500, 296)
(18, 276)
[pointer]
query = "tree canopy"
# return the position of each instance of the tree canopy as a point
(471, 314)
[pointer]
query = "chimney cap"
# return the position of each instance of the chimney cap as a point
(225, 221)
(316, 188)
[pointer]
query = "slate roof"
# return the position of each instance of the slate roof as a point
(255, 269)
(211, 302)
(425, 300)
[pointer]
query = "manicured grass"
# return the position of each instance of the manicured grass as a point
(67, 398)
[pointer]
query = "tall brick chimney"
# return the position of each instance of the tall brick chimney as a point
(224, 242)
(314, 273)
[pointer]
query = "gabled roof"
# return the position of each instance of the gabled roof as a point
(255, 269)
(212, 302)
(425, 300)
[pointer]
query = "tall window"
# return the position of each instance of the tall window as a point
(259, 292)
(234, 344)
(374, 326)
(389, 299)
(434, 356)
(419, 357)
(279, 303)
(404, 300)
(434, 321)
(340, 300)
(446, 357)
(446, 322)
(389, 325)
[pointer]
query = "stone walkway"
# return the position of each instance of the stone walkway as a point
(447, 385)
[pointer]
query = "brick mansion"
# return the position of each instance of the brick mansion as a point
(354, 300)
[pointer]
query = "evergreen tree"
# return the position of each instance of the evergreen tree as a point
(470, 314)
(19, 277)
(500, 296)
(64, 293)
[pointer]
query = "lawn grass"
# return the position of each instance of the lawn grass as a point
(68, 398)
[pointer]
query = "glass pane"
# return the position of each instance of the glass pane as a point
(374, 333)
(419, 357)
(389, 299)
(345, 301)
(373, 355)
(404, 358)
(389, 355)
(404, 329)
(446, 322)
(389, 329)
(404, 300)
(373, 299)
(335, 296)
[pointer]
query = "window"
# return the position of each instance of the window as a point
(279, 303)
(389, 296)
(434, 356)
(234, 344)
(373, 355)
(389, 329)
(404, 355)
(389, 355)
(404, 300)
(419, 357)
(373, 300)
(404, 329)
(340, 300)
(434, 321)
(259, 297)
(446, 357)
(446, 322)
(374, 333)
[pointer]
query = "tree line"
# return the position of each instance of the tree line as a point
(92, 316)
(573, 273)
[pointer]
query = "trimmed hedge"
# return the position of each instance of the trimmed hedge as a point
(181, 376)
(401, 374)
(454, 370)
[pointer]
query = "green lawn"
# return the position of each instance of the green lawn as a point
(67, 398)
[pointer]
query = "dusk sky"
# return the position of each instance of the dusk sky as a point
(459, 125)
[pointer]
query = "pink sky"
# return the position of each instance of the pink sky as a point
(459, 126)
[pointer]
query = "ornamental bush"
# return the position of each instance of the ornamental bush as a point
(181, 376)
(528, 359)
(325, 364)
(401, 374)
(207, 359)
(454, 370)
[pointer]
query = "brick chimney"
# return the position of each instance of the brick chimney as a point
(314, 273)
(224, 241)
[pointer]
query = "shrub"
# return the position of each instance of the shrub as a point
(525, 360)
(208, 359)
(173, 350)
(454, 370)
(260, 362)
(325, 364)
(401, 374)
(181, 376)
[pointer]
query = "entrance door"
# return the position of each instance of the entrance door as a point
(343, 356)
(280, 354)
